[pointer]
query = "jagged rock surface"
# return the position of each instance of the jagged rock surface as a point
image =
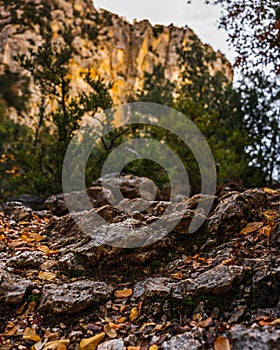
(219, 285)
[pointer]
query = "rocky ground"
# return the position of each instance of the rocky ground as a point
(217, 288)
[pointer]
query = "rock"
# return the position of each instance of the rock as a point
(218, 280)
(130, 186)
(17, 211)
(12, 287)
(182, 342)
(114, 344)
(73, 297)
(58, 204)
(150, 287)
(31, 201)
(26, 260)
(234, 212)
(264, 338)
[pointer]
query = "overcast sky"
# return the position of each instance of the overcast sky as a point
(198, 16)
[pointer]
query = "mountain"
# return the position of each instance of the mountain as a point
(106, 44)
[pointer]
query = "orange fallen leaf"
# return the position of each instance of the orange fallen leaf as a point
(116, 327)
(222, 343)
(43, 248)
(251, 227)
(133, 348)
(30, 334)
(47, 276)
(134, 314)
(91, 343)
(270, 190)
(11, 329)
(123, 293)
(275, 322)
(111, 332)
(56, 344)
(121, 319)
(206, 323)
(177, 276)
(153, 347)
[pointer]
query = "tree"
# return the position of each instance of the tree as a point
(59, 110)
(209, 100)
(253, 28)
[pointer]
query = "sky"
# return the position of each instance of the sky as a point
(198, 16)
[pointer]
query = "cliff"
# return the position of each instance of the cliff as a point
(106, 44)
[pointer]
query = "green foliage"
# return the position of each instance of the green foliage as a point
(33, 158)
(157, 88)
(209, 100)
(14, 89)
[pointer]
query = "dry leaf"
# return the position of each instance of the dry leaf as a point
(11, 329)
(30, 334)
(54, 345)
(47, 276)
(111, 332)
(206, 323)
(251, 227)
(275, 322)
(134, 348)
(134, 314)
(177, 276)
(121, 319)
(124, 293)
(91, 343)
(222, 343)
(270, 190)
(153, 347)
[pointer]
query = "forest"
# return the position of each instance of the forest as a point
(239, 120)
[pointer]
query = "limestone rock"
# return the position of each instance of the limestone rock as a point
(106, 44)
(114, 344)
(156, 286)
(25, 260)
(73, 297)
(264, 338)
(234, 212)
(218, 280)
(12, 287)
(182, 342)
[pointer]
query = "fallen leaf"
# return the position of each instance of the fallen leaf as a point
(251, 227)
(30, 334)
(91, 343)
(177, 276)
(134, 314)
(134, 348)
(11, 329)
(54, 345)
(153, 347)
(116, 327)
(222, 343)
(121, 319)
(123, 293)
(206, 323)
(47, 276)
(111, 332)
(270, 190)
(275, 322)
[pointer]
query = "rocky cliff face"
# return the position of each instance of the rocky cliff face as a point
(106, 44)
